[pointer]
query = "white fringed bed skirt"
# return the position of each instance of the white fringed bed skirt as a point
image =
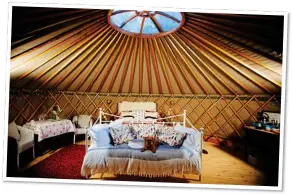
(138, 167)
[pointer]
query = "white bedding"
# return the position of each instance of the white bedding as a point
(167, 160)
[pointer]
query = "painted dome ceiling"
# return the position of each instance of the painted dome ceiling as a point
(81, 50)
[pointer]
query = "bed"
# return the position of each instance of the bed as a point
(127, 159)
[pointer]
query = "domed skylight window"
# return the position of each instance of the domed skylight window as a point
(145, 23)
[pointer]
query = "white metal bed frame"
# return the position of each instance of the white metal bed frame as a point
(185, 121)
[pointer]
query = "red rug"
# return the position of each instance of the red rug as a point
(64, 164)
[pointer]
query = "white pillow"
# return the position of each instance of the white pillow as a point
(13, 131)
(116, 124)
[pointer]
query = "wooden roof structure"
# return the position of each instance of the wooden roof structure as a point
(78, 50)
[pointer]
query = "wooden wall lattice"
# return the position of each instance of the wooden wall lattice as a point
(221, 116)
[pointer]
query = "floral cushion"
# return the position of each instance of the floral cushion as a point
(143, 130)
(171, 137)
(121, 135)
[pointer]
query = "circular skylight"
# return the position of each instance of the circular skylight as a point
(145, 23)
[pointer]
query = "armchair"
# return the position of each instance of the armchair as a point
(82, 123)
(26, 141)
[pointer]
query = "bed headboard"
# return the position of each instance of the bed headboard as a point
(130, 106)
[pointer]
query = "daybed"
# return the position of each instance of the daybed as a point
(127, 159)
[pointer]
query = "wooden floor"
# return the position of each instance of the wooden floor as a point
(220, 166)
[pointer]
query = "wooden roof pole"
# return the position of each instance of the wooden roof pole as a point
(118, 64)
(79, 48)
(49, 39)
(202, 61)
(155, 65)
(116, 56)
(166, 42)
(71, 59)
(91, 55)
(107, 54)
(203, 31)
(105, 38)
(217, 66)
(62, 22)
(178, 47)
(88, 32)
(233, 66)
(133, 65)
(220, 33)
(128, 57)
(148, 65)
(103, 48)
(187, 48)
(162, 62)
(174, 73)
(141, 65)
(231, 30)
(261, 74)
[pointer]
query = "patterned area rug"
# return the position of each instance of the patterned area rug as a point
(64, 164)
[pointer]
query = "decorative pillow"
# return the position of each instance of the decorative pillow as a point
(13, 131)
(139, 115)
(100, 134)
(122, 135)
(172, 137)
(144, 130)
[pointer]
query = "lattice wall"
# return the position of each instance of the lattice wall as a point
(221, 116)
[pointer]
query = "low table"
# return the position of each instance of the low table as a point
(50, 133)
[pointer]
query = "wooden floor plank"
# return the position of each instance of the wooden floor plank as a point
(218, 167)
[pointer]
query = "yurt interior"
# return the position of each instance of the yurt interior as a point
(151, 96)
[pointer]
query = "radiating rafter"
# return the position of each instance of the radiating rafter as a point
(141, 66)
(115, 57)
(127, 64)
(118, 65)
(133, 65)
(261, 74)
(104, 48)
(107, 56)
(174, 73)
(232, 65)
(83, 50)
(180, 50)
(78, 48)
(87, 59)
(91, 29)
(155, 65)
(168, 44)
(148, 65)
(222, 70)
(206, 65)
(162, 62)
(189, 52)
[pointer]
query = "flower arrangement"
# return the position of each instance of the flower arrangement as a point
(55, 112)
